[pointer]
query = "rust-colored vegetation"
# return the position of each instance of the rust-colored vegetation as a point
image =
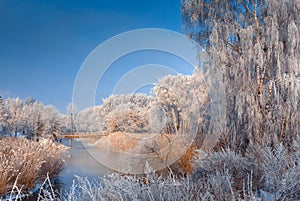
(29, 161)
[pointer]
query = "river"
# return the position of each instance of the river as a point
(81, 163)
(78, 162)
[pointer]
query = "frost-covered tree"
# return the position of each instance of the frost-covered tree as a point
(127, 119)
(31, 118)
(25, 114)
(36, 120)
(183, 100)
(90, 120)
(176, 106)
(40, 120)
(12, 112)
(127, 113)
(2, 118)
(54, 122)
(256, 47)
(72, 110)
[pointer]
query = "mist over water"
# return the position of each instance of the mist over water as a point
(79, 162)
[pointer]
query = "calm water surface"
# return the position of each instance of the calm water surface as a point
(78, 162)
(81, 163)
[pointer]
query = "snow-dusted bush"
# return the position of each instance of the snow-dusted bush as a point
(263, 170)
(224, 162)
(278, 170)
(150, 187)
(29, 161)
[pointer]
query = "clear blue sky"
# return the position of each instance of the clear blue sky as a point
(44, 42)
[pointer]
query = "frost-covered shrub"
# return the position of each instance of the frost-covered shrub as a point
(223, 163)
(264, 171)
(278, 170)
(28, 160)
(150, 187)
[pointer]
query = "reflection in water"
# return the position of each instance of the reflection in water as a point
(81, 163)
(78, 162)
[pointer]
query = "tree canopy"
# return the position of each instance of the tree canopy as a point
(255, 45)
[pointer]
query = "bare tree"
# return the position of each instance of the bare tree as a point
(72, 110)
